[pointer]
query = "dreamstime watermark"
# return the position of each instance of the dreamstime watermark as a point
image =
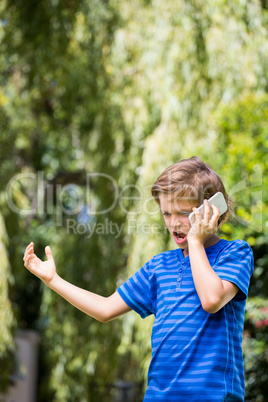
(78, 207)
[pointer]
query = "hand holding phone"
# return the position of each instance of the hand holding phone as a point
(217, 200)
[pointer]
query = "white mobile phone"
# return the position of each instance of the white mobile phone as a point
(217, 200)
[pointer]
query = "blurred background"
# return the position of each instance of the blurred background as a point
(97, 98)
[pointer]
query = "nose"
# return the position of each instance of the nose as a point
(175, 222)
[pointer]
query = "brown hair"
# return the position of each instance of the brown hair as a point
(193, 180)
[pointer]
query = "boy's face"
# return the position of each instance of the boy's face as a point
(176, 215)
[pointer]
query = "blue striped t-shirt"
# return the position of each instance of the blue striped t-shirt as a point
(195, 355)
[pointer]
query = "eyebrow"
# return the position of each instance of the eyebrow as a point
(179, 210)
(185, 211)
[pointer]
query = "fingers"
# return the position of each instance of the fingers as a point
(48, 253)
(198, 216)
(207, 211)
(28, 251)
(215, 216)
(206, 226)
(28, 259)
(211, 213)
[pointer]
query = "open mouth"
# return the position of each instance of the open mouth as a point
(180, 237)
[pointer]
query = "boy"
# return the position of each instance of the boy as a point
(197, 293)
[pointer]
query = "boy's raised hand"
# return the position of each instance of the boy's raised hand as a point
(45, 270)
(207, 226)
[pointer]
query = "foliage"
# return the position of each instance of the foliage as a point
(6, 316)
(124, 90)
(243, 132)
(255, 349)
(58, 123)
(213, 102)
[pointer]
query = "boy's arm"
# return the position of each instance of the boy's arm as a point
(213, 292)
(101, 308)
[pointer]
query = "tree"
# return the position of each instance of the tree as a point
(122, 90)
(7, 322)
(57, 113)
(199, 76)
(242, 128)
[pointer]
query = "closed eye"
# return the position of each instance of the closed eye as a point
(181, 213)
(185, 213)
(166, 213)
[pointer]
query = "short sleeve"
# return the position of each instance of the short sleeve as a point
(136, 292)
(235, 264)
